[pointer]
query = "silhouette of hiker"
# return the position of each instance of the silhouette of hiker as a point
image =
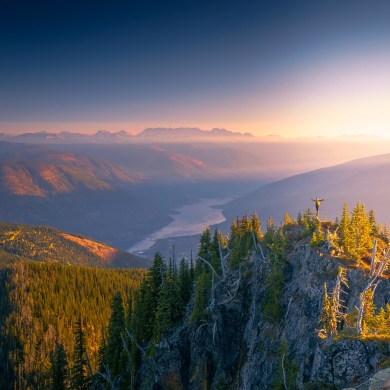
(318, 203)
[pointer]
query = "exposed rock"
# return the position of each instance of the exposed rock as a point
(237, 348)
(381, 380)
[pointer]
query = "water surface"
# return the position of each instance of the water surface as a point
(191, 220)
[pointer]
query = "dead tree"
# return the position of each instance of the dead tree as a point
(376, 272)
(131, 361)
(222, 258)
(106, 375)
(337, 303)
(206, 262)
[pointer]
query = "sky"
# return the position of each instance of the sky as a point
(293, 68)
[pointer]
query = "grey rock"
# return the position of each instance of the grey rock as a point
(236, 348)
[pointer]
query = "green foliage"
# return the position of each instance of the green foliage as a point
(49, 298)
(116, 328)
(275, 280)
(170, 305)
(328, 317)
(318, 235)
(80, 378)
(58, 371)
(202, 295)
(288, 371)
(361, 229)
(43, 243)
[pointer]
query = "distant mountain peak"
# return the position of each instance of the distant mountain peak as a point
(189, 132)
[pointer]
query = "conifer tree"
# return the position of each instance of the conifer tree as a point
(288, 370)
(345, 229)
(185, 282)
(149, 293)
(80, 380)
(202, 294)
(386, 232)
(372, 221)
(287, 219)
(299, 218)
(318, 235)
(256, 226)
(205, 251)
(116, 327)
(329, 316)
(361, 230)
(170, 305)
(275, 278)
(59, 368)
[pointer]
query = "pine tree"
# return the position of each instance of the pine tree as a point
(287, 219)
(386, 232)
(80, 380)
(345, 229)
(256, 226)
(202, 294)
(116, 328)
(318, 235)
(205, 251)
(170, 305)
(59, 368)
(372, 221)
(149, 293)
(288, 370)
(361, 230)
(369, 308)
(299, 218)
(185, 282)
(329, 316)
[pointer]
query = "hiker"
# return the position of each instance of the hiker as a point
(318, 203)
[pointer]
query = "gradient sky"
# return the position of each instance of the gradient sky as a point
(268, 67)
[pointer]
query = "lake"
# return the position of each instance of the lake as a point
(192, 220)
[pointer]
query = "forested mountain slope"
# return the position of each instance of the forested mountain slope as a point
(363, 179)
(73, 199)
(40, 306)
(41, 243)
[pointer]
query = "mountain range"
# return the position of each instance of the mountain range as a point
(365, 179)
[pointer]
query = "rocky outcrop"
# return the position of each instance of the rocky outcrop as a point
(381, 380)
(237, 347)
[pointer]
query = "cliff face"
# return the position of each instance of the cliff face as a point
(237, 347)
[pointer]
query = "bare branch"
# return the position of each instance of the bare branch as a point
(205, 261)
(220, 256)
(288, 307)
(284, 374)
(133, 340)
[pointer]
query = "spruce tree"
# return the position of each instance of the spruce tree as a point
(287, 373)
(170, 305)
(205, 251)
(149, 293)
(59, 368)
(299, 218)
(372, 221)
(346, 239)
(287, 219)
(361, 230)
(80, 379)
(185, 282)
(256, 226)
(328, 318)
(318, 235)
(202, 294)
(116, 327)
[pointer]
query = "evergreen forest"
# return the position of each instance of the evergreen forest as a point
(76, 327)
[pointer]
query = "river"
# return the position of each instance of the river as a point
(191, 220)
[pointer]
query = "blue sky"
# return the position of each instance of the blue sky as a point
(288, 67)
